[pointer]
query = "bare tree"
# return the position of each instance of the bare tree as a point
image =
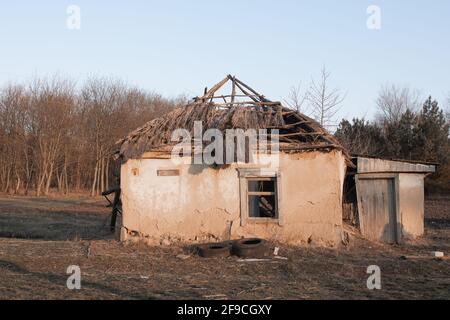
(393, 101)
(53, 137)
(296, 99)
(14, 155)
(324, 101)
(110, 111)
(51, 109)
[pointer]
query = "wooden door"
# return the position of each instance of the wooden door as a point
(377, 209)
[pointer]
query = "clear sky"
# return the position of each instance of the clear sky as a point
(176, 47)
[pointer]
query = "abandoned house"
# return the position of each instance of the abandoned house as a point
(385, 198)
(305, 195)
(297, 200)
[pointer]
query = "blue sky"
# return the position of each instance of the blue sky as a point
(176, 47)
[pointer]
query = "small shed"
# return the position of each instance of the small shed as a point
(390, 198)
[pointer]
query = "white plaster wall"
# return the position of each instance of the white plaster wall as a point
(203, 204)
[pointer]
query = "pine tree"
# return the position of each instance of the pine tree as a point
(432, 133)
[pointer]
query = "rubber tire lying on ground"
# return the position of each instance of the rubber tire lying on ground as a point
(250, 248)
(214, 250)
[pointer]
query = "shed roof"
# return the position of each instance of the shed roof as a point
(377, 165)
(243, 108)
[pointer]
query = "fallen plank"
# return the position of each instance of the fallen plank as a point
(413, 257)
(215, 296)
(254, 260)
(262, 260)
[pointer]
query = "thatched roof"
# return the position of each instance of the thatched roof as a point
(244, 109)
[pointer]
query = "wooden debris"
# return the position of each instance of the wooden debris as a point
(215, 296)
(416, 257)
(254, 260)
(183, 256)
(281, 258)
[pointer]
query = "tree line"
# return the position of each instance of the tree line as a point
(405, 128)
(55, 134)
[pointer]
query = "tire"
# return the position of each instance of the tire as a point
(214, 250)
(250, 248)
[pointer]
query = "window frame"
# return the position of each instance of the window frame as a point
(262, 193)
(246, 175)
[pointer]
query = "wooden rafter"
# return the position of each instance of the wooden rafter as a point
(243, 107)
(247, 92)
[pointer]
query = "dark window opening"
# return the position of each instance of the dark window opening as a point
(262, 198)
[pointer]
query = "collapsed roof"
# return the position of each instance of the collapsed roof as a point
(243, 108)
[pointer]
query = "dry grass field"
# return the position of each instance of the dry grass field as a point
(41, 237)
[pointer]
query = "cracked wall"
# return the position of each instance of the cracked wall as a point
(203, 204)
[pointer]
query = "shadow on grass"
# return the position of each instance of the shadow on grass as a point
(437, 223)
(57, 279)
(54, 224)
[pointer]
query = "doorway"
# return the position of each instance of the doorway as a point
(377, 209)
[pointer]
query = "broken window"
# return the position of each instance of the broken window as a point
(262, 198)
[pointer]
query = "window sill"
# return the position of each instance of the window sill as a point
(263, 220)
